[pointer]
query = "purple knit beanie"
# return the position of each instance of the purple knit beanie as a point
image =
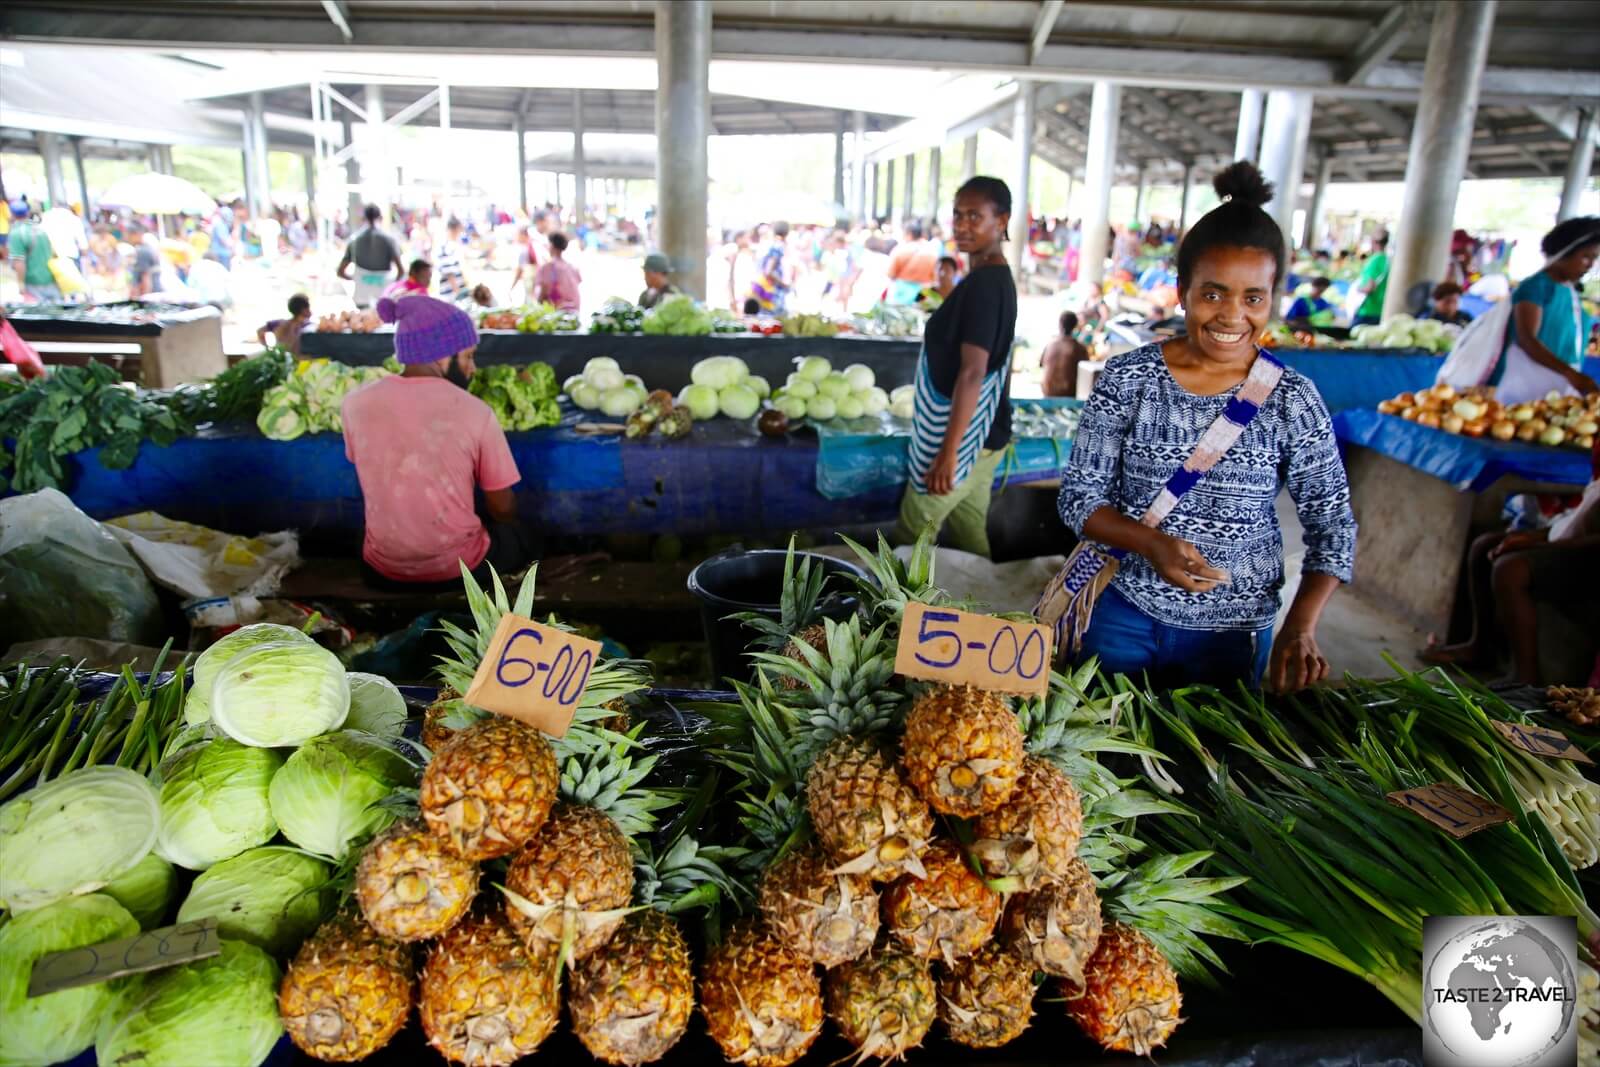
(426, 329)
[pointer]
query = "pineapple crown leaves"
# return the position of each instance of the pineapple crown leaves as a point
(894, 583)
(1175, 910)
(599, 769)
(686, 875)
(754, 740)
(797, 604)
(848, 691)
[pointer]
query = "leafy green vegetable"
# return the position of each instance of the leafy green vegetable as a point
(147, 890)
(522, 398)
(272, 897)
(309, 400)
(237, 392)
(677, 316)
(616, 316)
(325, 798)
(214, 802)
(546, 318)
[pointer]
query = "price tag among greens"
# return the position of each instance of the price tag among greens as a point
(149, 951)
(1540, 741)
(1456, 811)
(961, 648)
(533, 673)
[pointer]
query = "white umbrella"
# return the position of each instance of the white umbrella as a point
(159, 194)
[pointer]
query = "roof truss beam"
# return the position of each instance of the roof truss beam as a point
(1049, 12)
(339, 15)
(1377, 45)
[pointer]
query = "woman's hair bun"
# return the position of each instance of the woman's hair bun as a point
(1241, 183)
(387, 309)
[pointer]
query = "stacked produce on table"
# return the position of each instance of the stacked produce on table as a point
(1404, 331)
(1553, 420)
(522, 398)
(310, 400)
(890, 320)
(604, 388)
(362, 321)
(616, 316)
(545, 318)
(818, 392)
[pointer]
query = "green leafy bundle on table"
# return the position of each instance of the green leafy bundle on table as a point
(677, 316)
(616, 316)
(522, 398)
(310, 399)
(72, 409)
(547, 318)
(237, 392)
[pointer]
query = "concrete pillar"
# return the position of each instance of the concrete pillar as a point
(1183, 199)
(352, 178)
(872, 184)
(258, 195)
(1138, 196)
(1579, 163)
(580, 167)
(376, 175)
(54, 178)
(1458, 46)
(683, 121)
(1099, 170)
(935, 161)
(969, 157)
(247, 146)
(1247, 143)
(889, 207)
(522, 163)
(838, 162)
(1022, 171)
(1313, 230)
(858, 201)
(309, 161)
(83, 177)
(908, 209)
(1285, 136)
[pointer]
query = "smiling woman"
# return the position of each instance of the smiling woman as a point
(1179, 458)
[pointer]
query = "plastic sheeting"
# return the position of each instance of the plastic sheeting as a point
(1473, 463)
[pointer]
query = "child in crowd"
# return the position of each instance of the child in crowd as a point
(286, 332)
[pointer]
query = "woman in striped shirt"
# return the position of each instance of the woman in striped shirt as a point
(962, 420)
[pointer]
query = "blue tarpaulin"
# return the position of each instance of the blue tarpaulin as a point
(1359, 378)
(1473, 463)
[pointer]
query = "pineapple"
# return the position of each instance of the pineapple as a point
(631, 1001)
(869, 818)
(486, 1001)
(761, 1000)
(883, 1004)
(490, 788)
(798, 619)
(435, 733)
(569, 888)
(986, 1000)
(1130, 999)
(894, 584)
(347, 991)
(1033, 838)
(846, 688)
(962, 750)
(947, 914)
(411, 886)
(829, 918)
(1056, 927)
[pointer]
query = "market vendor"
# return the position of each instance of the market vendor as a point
(1177, 464)
(1544, 348)
(421, 446)
(962, 420)
(657, 280)
(1313, 309)
(1373, 284)
(371, 252)
(1447, 305)
(418, 280)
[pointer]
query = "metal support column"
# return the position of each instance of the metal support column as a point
(1022, 171)
(908, 208)
(580, 177)
(872, 184)
(1579, 163)
(935, 162)
(1247, 143)
(352, 179)
(969, 157)
(858, 176)
(83, 177)
(309, 161)
(888, 195)
(520, 133)
(1313, 230)
(247, 146)
(838, 163)
(55, 181)
(1099, 169)
(1285, 136)
(683, 121)
(1458, 47)
(1183, 198)
(1138, 196)
(376, 174)
(258, 135)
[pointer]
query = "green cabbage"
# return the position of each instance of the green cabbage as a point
(738, 402)
(214, 802)
(197, 708)
(522, 398)
(860, 377)
(225, 1007)
(74, 834)
(376, 706)
(701, 400)
(272, 897)
(311, 399)
(57, 1026)
(814, 368)
(147, 890)
(279, 694)
(677, 315)
(719, 372)
(324, 796)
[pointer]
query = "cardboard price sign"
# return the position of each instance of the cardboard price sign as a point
(149, 951)
(533, 673)
(960, 648)
(1540, 741)
(1456, 811)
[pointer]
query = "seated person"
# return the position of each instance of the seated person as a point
(286, 332)
(657, 280)
(946, 273)
(1312, 310)
(417, 280)
(1447, 305)
(1061, 358)
(420, 446)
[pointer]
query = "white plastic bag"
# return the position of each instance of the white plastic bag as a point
(1478, 349)
(200, 562)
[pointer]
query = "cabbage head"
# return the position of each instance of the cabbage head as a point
(214, 802)
(376, 706)
(272, 897)
(57, 1026)
(225, 1007)
(279, 694)
(324, 797)
(197, 708)
(74, 834)
(147, 891)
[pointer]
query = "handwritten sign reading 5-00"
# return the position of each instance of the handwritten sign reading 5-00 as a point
(960, 648)
(533, 673)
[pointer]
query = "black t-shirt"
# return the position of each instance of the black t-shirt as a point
(982, 311)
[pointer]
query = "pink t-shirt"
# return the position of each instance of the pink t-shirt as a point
(420, 445)
(558, 282)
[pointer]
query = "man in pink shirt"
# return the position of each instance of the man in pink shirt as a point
(421, 445)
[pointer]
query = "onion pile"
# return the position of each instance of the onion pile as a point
(1552, 420)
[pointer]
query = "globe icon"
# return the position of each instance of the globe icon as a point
(1499, 993)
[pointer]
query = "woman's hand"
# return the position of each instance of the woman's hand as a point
(1296, 661)
(941, 477)
(1181, 564)
(1581, 381)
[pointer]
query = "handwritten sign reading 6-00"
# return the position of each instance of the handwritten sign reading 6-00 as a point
(533, 673)
(960, 648)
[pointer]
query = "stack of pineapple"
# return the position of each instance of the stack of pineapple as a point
(922, 852)
(557, 826)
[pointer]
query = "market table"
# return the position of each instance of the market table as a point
(663, 362)
(176, 343)
(1351, 378)
(1418, 492)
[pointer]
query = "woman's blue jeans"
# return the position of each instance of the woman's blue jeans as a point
(1130, 642)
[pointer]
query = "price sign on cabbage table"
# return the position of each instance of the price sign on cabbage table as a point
(153, 949)
(960, 648)
(533, 673)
